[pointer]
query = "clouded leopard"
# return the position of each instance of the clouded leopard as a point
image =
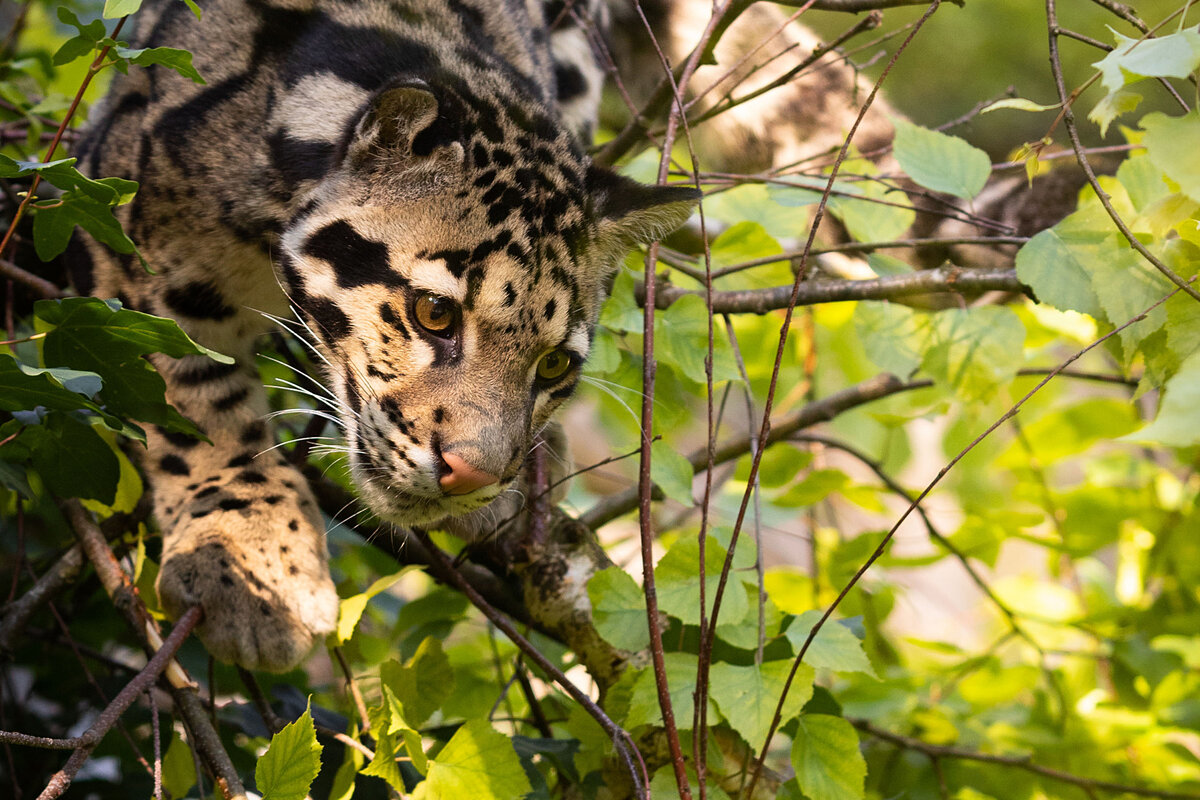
(408, 178)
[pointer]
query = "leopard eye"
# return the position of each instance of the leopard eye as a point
(553, 365)
(436, 314)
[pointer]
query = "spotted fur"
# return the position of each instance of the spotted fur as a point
(345, 161)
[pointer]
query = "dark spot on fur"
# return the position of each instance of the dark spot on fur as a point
(241, 461)
(272, 499)
(209, 492)
(356, 260)
(250, 476)
(200, 300)
(233, 504)
(174, 465)
(231, 400)
(293, 525)
(332, 323)
(254, 432)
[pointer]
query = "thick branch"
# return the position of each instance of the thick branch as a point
(760, 301)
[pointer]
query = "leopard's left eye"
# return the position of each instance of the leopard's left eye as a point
(436, 314)
(553, 365)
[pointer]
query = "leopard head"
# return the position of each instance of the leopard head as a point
(451, 271)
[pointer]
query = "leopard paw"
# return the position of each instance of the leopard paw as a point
(258, 567)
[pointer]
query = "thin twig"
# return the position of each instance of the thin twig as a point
(936, 751)
(83, 745)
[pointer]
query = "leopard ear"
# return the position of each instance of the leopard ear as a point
(634, 213)
(403, 125)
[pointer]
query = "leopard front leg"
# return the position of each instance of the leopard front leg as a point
(243, 537)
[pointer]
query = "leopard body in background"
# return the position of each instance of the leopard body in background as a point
(408, 178)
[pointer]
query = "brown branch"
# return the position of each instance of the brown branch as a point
(856, 6)
(96, 66)
(759, 301)
(621, 739)
(125, 598)
(1009, 414)
(63, 572)
(85, 744)
(1068, 118)
(823, 410)
(935, 751)
(39, 285)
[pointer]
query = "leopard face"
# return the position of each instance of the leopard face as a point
(452, 287)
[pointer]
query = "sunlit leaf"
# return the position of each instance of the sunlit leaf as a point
(939, 161)
(292, 761)
(827, 760)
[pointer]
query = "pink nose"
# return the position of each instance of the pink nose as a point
(463, 478)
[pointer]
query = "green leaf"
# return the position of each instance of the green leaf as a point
(1175, 55)
(619, 609)
(26, 388)
(827, 760)
(941, 162)
(681, 683)
(351, 609)
(96, 336)
(89, 34)
(1017, 104)
(677, 581)
(63, 174)
(178, 768)
(815, 487)
(856, 204)
(14, 478)
(388, 731)
(422, 684)
(681, 340)
(169, 57)
(894, 336)
(1113, 105)
(1172, 144)
(343, 779)
(664, 786)
(477, 763)
(53, 225)
(749, 241)
(72, 458)
(120, 8)
(1178, 421)
(672, 472)
(747, 696)
(975, 350)
(292, 761)
(834, 648)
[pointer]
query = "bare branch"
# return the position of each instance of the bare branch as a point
(759, 301)
(821, 411)
(63, 572)
(1018, 762)
(108, 718)
(124, 595)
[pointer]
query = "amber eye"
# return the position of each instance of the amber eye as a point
(436, 314)
(553, 365)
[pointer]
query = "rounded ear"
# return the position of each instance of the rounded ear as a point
(634, 213)
(404, 126)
